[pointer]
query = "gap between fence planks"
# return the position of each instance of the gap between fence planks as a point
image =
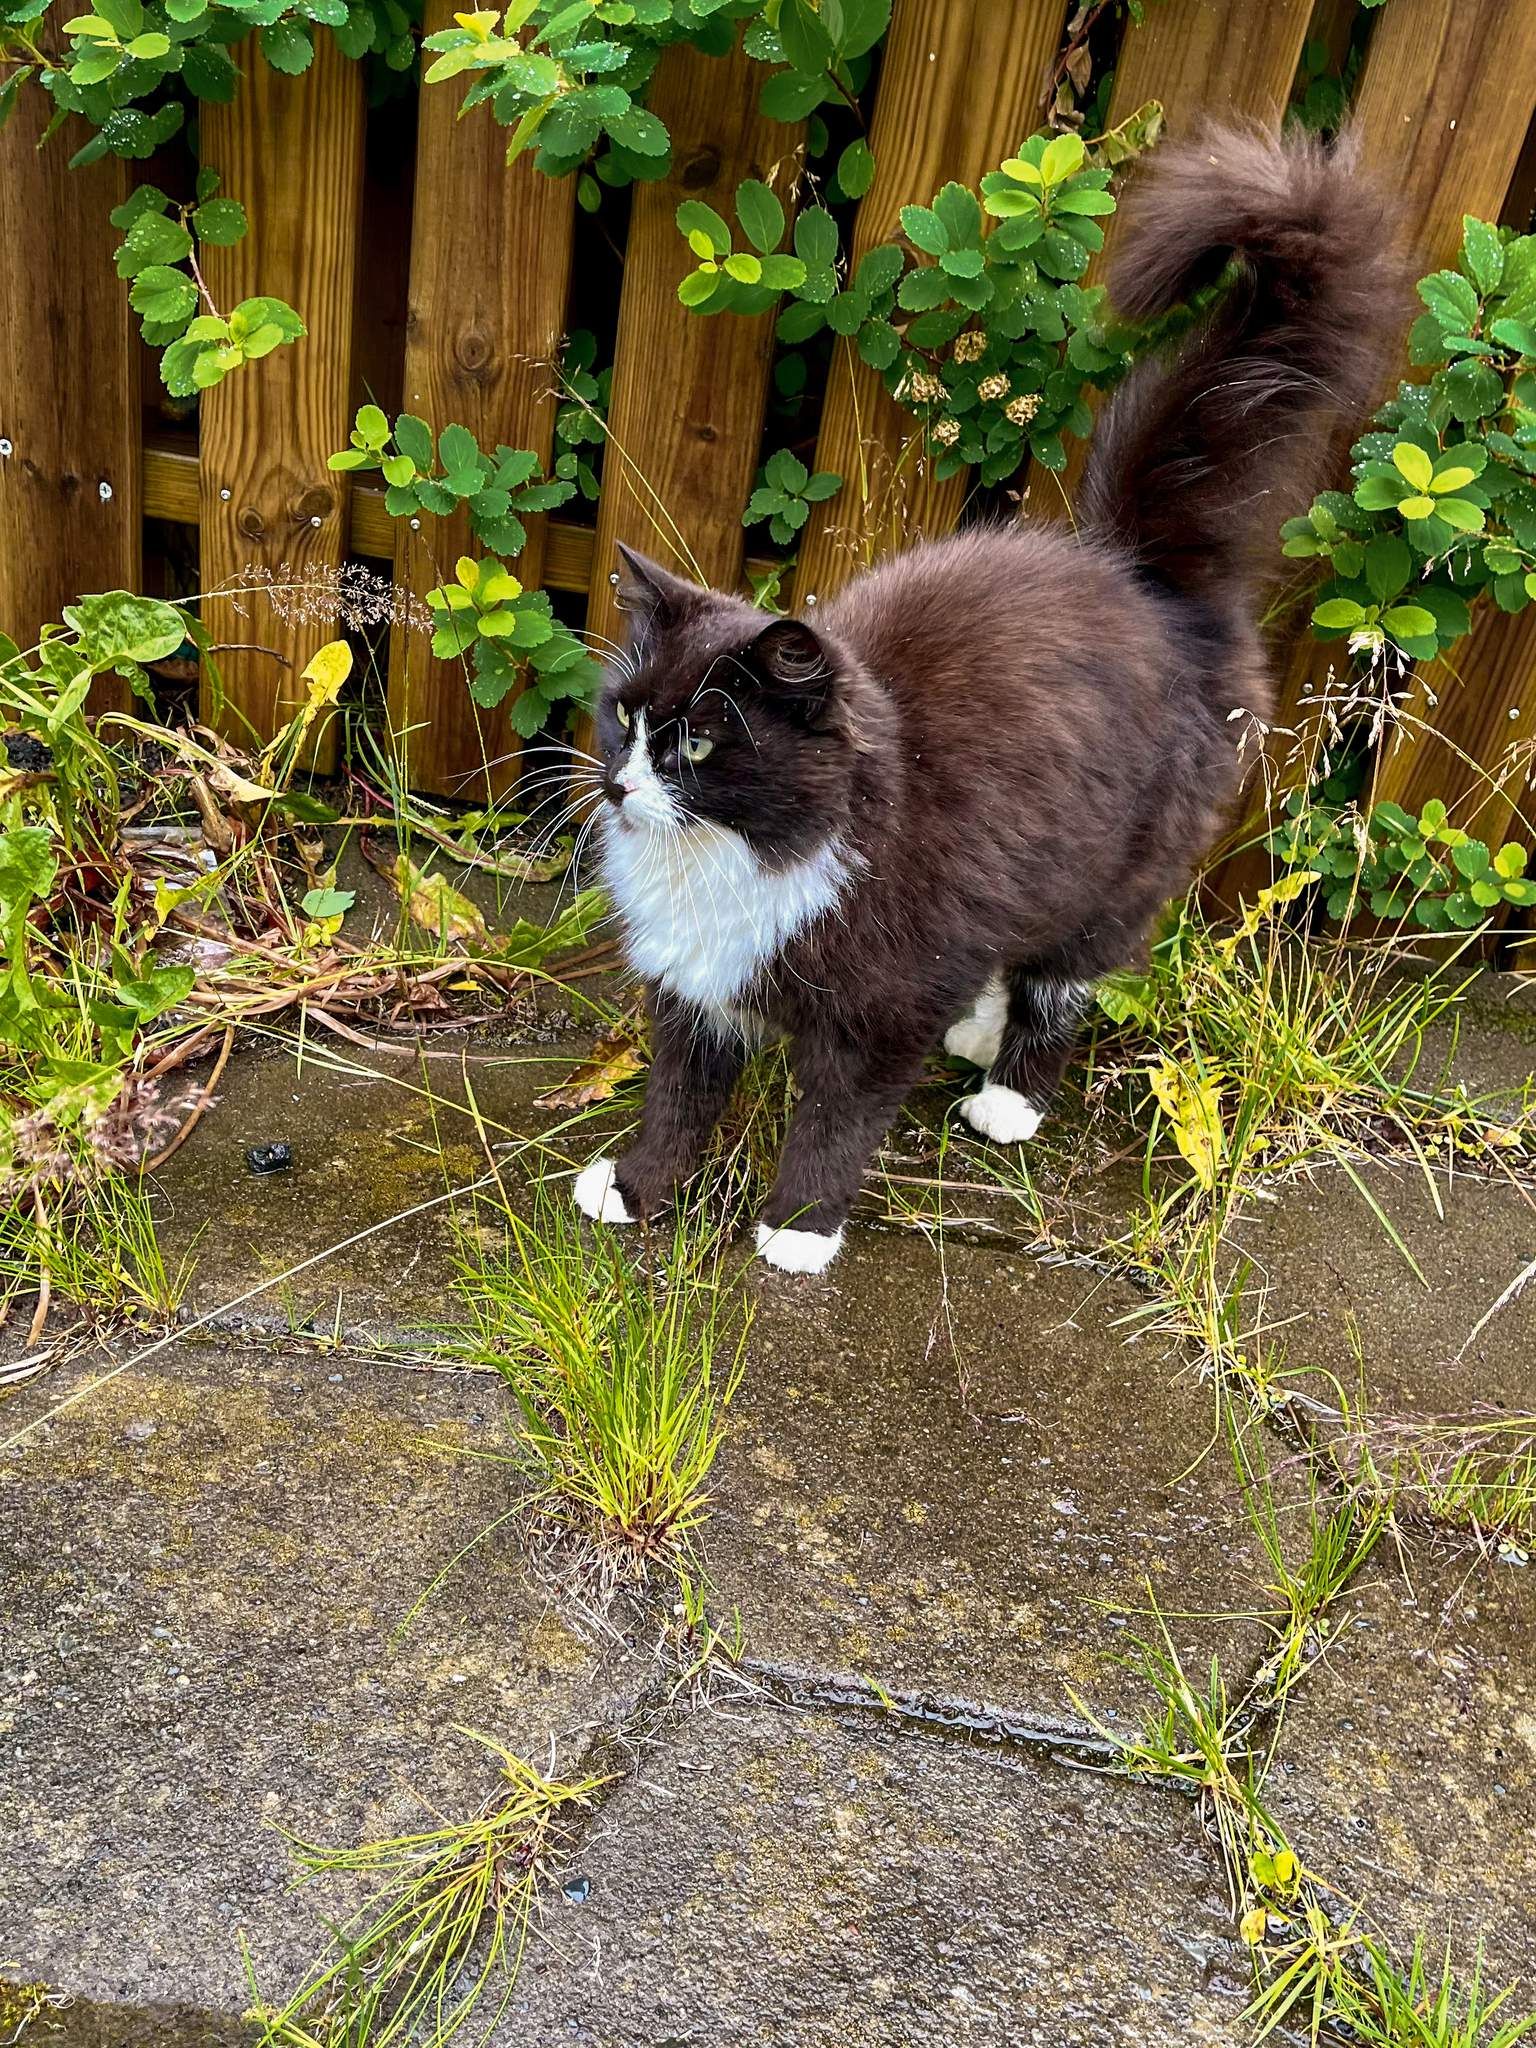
(959, 89)
(1441, 113)
(70, 519)
(490, 266)
(290, 149)
(688, 389)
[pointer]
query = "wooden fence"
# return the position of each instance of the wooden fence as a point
(443, 288)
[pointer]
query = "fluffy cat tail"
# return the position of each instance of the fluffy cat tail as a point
(1200, 456)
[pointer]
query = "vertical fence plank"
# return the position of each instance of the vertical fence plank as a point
(1442, 111)
(959, 89)
(490, 265)
(69, 381)
(290, 149)
(688, 389)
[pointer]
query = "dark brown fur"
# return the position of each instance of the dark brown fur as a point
(1026, 738)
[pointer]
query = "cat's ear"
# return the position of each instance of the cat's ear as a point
(648, 593)
(795, 664)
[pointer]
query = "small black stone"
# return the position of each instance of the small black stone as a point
(275, 1158)
(28, 756)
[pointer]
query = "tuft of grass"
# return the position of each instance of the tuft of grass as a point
(622, 1368)
(1472, 1477)
(448, 1917)
(1346, 1987)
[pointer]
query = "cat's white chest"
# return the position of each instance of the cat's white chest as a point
(701, 915)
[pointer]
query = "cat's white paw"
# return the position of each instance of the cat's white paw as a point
(978, 1036)
(597, 1194)
(798, 1251)
(1002, 1114)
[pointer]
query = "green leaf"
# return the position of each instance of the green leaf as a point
(287, 47)
(806, 42)
(28, 866)
(1460, 513)
(115, 626)
(413, 437)
(221, 222)
(856, 169)
(761, 216)
(327, 902)
(699, 286)
(744, 268)
(924, 230)
(1408, 622)
(641, 131)
(1482, 256)
(1337, 613)
(816, 238)
(1388, 565)
(695, 218)
(163, 295)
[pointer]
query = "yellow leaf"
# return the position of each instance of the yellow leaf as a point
(613, 1061)
(1253, 1925)
(1285, 1868)
(432, 902)
(467, 569)
(1193, 1110)
(500, 587)
(1411, 462)
(480, 24)
(1451, 479)
(326, 674)
(1286, 890)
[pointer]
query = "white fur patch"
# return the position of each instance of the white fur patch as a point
(701, 913)
(1002, 1114)
(799, 1251)
(978, 1036)
(597, 1195)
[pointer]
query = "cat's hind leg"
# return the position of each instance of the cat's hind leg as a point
(978, 1035)
(1044, 1012)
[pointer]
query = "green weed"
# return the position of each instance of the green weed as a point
(446, 1923)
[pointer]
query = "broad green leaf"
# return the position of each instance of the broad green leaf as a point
(761, 216)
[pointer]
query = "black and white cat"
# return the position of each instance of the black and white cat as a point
(948, 806)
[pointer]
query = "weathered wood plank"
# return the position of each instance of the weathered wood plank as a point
(959, 89)
(688, 390)
(69, 381)
(490, 265)
(291, 150)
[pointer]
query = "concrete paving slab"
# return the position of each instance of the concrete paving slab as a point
(374, 1137)
(767, 1878)
(1351, 1304)
(945, 1473)
(1407, 1773)
(207, 1564)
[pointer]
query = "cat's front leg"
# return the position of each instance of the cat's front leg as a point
(849, 1094)
(694, 1067)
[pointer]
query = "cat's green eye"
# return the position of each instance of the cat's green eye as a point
(697, 749)
(622, 716)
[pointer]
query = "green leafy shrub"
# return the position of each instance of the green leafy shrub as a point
(1423, 869)
(975, 320)
(509, 635)
(786, 492)
(582, 422)
(731, 279)
(1443, 509)
(513, 637)
(200, 348)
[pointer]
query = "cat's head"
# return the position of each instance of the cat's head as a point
(723, 714)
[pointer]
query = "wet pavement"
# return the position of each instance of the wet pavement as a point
(954, 1478)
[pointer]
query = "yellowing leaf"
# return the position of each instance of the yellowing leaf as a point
(467, 569)
(481, 25)
(614, 1060)
(1285, 1868)
(1193, 1110)
(1253, 1925)
(1451, 479)
(1416, 508)
(432, 902)
(1263, 906)
(327, 672)
(1411, 462)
